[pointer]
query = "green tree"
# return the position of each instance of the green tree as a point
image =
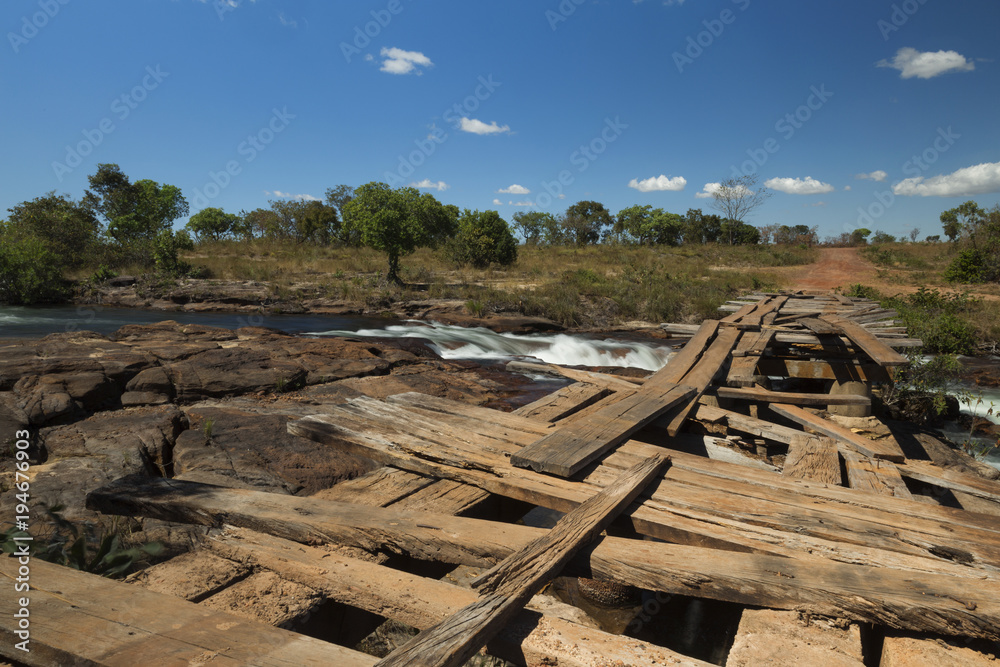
(213, 224)
(586, 221)
(337, 197)
(483, 238)
(258, 224)
(648, 226)
(960, 219)
(30, 271)
(860, 236)
(882, 237)
(399, 221)
(306, 221)
(701, 228)
(739, 233)
(532, 225)
(69, 229)
(737, 199)
(136, 213)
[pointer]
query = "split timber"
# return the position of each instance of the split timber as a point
(849, 528)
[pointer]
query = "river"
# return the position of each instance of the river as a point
(451, 342)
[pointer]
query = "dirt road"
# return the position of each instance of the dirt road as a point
(837, 267)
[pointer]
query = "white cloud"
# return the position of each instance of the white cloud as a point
(288, 195)
(847, 188)
(877, 175)
(515, 189)
(479, 127)
(975, 180)
(497, 202)
(290, 23)
(398, 61)
(924, 65)
(799, 186)
(524, 203)
(430, 185)
(658, 183)
(708, 191)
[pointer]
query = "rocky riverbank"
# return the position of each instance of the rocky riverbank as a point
(201, 403)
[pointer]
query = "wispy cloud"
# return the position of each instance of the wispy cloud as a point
(476, 126)
(877, 175)
(658, 183)
(975, 180)
(287, 22)
(799, 186)
(497, 202)
(515, 189)
(428, 184)
(398, 61)
(927, 64)
(288, 195)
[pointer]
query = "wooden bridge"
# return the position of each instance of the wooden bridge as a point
(817, 511)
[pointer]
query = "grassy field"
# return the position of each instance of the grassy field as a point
(962, 319)
(588, 286)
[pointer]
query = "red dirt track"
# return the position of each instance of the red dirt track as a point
(837, 267)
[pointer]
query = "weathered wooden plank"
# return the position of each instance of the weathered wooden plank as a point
(878, 350)
(951, 479)
(920, 601)
(768, 306)
(789, 639)
(873, 476)
(563, 402)
(571, 447)
(682, 362)
(421, 602)
(760, 515)
(876, 449)
(753, 344)
(788, 397)
(751, 425)
(702, 374)
(951, 458)
(506, 588)
(739, 314)
(901, 650)
(794, 338)
(606, 380)
(822, 370)
(815, 459)
(83, 619)
(818, 326)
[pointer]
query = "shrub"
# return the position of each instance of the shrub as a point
(29, 271)
(483, 238)
(968, 267)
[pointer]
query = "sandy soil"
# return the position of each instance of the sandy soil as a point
(837, 267)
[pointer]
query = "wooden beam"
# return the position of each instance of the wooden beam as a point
(421, 602)
(563, 402)
(876, 449)
(752, 425)
(507, 587)
(702, 374)
(873, 476)
(822, 370)
(929, 601)
(788, 397)
(700, 502)
(83, 619)
(814, 459)
(878, 350)
(571, 447)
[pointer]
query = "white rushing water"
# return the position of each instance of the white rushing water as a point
(455, 342)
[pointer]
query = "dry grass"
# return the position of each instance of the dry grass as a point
(593, 285)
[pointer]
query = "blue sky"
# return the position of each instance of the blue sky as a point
(855, 113)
